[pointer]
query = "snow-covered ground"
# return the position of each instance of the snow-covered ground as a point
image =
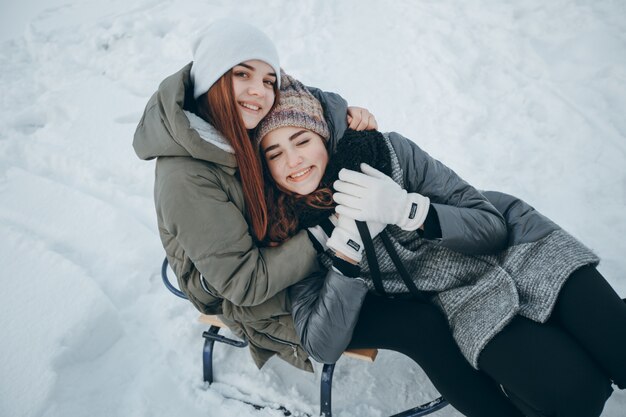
(525, 97)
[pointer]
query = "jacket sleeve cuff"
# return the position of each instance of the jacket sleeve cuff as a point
(432, 228)
(470, 231)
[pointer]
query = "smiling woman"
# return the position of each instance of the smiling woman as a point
(253, 87)
(474, 278)
(296, 158)
(209, 189)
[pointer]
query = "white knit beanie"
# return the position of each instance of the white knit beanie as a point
(224, 44)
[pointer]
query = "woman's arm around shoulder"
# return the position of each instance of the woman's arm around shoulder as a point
(206, 226)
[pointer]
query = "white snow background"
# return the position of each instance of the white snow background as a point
(524, 97)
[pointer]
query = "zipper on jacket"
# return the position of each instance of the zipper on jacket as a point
(284, 342)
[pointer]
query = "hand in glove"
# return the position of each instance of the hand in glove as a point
(319, 234)
(346, 239)
(372, 196)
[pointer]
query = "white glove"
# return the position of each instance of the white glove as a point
(319, 234)
(372, 196)
(347, 240)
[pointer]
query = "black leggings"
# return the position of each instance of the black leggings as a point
(565, 366)
(420, 331)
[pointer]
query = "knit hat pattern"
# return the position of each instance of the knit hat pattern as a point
(224, 44)
(297, 107)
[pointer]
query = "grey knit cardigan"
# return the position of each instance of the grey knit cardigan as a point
(497, 258)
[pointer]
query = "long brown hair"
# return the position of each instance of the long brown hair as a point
(218, 107)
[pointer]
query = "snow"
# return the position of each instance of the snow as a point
(524, 97)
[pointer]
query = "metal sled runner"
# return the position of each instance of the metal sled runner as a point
(212, 335)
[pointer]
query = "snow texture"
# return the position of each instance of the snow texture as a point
(524, 97)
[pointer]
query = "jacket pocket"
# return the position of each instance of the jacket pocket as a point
(275, 329)
(292, 346)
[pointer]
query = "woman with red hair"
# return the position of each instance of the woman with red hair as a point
(523, 299)
(208, 189)
(212, 214)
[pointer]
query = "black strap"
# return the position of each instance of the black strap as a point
(316, 244)
(404, 274)
(327, 226)
(371, 257)
(370, 253)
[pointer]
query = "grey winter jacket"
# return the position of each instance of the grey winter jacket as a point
(478, 293)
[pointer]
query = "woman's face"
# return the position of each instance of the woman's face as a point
(296, 158)
(253, 88)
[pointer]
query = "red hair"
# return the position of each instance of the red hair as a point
(218, 107)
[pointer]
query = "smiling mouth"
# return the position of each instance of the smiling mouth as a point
(298, 176)
(249, 106)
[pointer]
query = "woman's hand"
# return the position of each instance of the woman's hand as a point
(346, 239)
(372, 196)
(361, 119)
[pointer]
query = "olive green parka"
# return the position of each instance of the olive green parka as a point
(199, 204)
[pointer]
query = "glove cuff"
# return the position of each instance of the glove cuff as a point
(414, 212)
(346, 243)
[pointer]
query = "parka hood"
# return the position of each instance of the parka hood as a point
(164, 129)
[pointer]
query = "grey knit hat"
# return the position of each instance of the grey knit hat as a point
(297, 108)
(224, 44)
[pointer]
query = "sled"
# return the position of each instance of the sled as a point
(212, 335)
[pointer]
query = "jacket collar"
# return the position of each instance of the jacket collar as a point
(165, 129)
